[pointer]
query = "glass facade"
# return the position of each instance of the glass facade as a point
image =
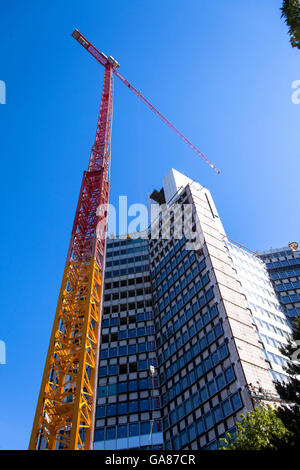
(283, 265)
(128, 400)
(206, 320)
(266, 313)
(192, 353)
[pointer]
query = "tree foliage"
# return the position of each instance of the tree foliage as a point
(255, 431)
(290, 11)
(290, 392)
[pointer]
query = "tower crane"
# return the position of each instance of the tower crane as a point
(64, 415)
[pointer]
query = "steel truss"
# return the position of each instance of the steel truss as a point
(65, 410)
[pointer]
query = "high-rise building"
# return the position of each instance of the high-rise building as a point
(128, 402)
(266, 313)
(283, 265)
(201, 311)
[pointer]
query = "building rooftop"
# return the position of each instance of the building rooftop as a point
(291, 248)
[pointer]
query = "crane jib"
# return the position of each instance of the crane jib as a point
(100, 57)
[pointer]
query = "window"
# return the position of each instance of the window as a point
(122, 350)
(180, 411)
(133, 406)
(122, 334)
(184, 438)
(208, 419)
(229, 374)
(143, 384)
(122, 408)
(185, 336)
(122, 431)
(100, 412)
(157, 426)
(99, 434)
(133, 386)
(142, 365)
(102, 371)
(188, 355)
(236, 401)
(212, 388)
(111, 432)
(173, 417)
(133, 367)
(102, 391)
(144, 405)
(113, 352)
(111, 410)
(177, 388)
(112, 370)
(220, 380)
(192, 432)
(184, 383)
(122, 387)
(199, 370)
(203, 343)
(176, 442)
(188, 406)
(227, 409)
(142, 348)
(218, 414)
(223, 351)
(133, 429)
(195, 400)
(203, 394)
(210, 337)
(200, 426)
(140, 317)
(218, 330)
(131, 349)
(123, 368)
(207, 364)
(112, 389)
(145, 427)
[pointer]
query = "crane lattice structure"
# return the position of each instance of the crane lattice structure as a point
(65, 410)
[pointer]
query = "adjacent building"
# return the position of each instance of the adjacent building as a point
(190, 331)
(266, 313)
(283, 265)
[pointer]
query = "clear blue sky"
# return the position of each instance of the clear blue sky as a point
(220, 71)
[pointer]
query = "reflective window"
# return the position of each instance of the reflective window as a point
(122, 408)
(133, 386)
(122, 387)
(145, 427)
(99, 435)
(110, 432)
(133, 429)
(133, 406)
(100, 412)
(122, 431)
(236, 401)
